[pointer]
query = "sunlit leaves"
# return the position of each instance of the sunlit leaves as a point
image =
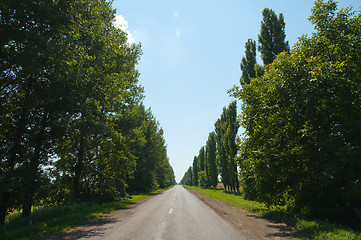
(302, 120)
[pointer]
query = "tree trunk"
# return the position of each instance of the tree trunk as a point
(14, 156)
(31, 175)
(237, 185)
(78, 170)
(4, 203)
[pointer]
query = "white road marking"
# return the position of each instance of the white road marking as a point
(170, 211)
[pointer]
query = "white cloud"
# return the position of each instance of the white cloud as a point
(122, 24)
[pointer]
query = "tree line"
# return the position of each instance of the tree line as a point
(302, 121)
(218, 156)
(271, 42)
(72, 124)
(301, 114)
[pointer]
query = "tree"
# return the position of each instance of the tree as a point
(189, 181)
(248, 62)
(272, 36)
(195, 171)
(302, 121)
(271, 42)
(152, 165)
(67, 82)
(29, 96)
(211, 159)
(163, 170)
(203, 180)
(72, 125)
(201, 159)
(101, 67)
(226, 129)
(187, 178)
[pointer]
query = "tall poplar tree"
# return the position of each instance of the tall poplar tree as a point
(272, 37)
(195, 171)
(248, 62)
(226, 128)
(211, 158)
(201, 159)
(187, 178)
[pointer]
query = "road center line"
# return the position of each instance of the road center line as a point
(170, 211)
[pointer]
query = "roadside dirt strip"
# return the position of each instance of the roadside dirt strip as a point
(251, 225)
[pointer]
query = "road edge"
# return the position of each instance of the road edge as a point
(251, 225)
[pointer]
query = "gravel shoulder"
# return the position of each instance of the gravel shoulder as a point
(251, 225)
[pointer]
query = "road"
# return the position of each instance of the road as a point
(174, 214)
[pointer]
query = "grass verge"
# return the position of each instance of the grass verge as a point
(48, 220)
(306, 228)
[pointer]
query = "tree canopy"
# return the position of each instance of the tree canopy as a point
(302, 121)
(73, 127)
(219, 154)
(248, 62)
(272, 36)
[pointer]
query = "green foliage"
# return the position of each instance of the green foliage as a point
(72, 124)
(47, 220)
(203, 180)
(104, 85)
(218, 156)
(272, 36)
(226, 129)
(248, 62)
(153, 169)
(195, 171)
(305, 228)
(187, 178)
(302, 121)
(211, 159)
(201, 158)
(30, 96)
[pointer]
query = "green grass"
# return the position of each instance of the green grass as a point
(48, 220)
(306, 228)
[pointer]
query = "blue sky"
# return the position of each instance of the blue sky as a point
(191, 55)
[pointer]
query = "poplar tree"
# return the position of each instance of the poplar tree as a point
(271, 39)
(211, 158)
(190, 175)
(226, 128)
(195, 171)
(187, 178)
(201, 159)
(248, 62)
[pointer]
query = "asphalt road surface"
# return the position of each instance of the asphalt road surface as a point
(175, 214)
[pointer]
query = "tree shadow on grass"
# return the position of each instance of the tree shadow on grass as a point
(309, 230)
(92, 228)
(285, 223)
(284, 232)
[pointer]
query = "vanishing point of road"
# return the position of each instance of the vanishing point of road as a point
(174, 214)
